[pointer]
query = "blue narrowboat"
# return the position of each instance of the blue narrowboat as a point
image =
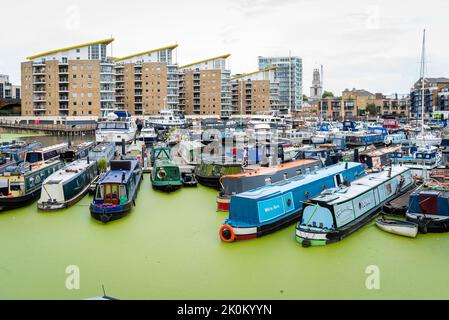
(116, 191)
(262, 211)
(429, 207)
(374, 135)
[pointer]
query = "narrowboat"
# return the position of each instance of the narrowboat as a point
(253, 179)
(328, 154)
(209, 172)
(102, 151)
(429, 207)
(375, 159)
(338, 212)
(21, 184)
(166, 176)
(116, 191)
(67, 186)
(40, 156)
(262, 211)
(14, 153)
(373, 135)
(77, 152)
(190, 151)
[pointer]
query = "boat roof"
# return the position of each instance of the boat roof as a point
(360, 186)
(288, 184)
(379, 152)
(68, 172)
(270, 170)
(165, 163)
(115, 175)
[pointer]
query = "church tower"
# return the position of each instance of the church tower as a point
(316, 90)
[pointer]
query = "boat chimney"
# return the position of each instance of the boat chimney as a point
(123, 177)
(356, 155)
(88, 160)
(123, 148)
(389, 171)
(346, 166)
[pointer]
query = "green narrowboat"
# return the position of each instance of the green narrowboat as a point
(166, 176)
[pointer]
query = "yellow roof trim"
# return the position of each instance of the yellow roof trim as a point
(206, 60)
(146, 52)
(253, 73)
(105, 41)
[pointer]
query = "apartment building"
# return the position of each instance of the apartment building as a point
(147, 82)
(289, 76)
(354, 104)
(205, 88)
(72, 81)
(435, 98)
(7, 89)
(256, 92)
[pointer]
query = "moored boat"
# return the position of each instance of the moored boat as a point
(262, 211)
(399, 227)
(77, 152)
(429, 207)
(117, 127)
(253, 179)
(166, 176)
(21, 184)
(67, 186)
(337, 213)
(116, 191)
(209, 172)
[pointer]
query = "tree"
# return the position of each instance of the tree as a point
(371, 109)
(304, 98)
(327, 94)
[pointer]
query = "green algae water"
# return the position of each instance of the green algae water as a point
(169, 248)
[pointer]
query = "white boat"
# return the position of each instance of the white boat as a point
(428, 139)
(166, 120)
(68, 185)
(422, 161)
(399, 227)
(148, 134)
(117, 127)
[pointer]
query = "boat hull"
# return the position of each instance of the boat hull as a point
(107, 214)
(223, 203)
(166, 187)
(51, 206)
(398, 227)
(9, 203)
(211, 182)
(429, 223)
(248, 233)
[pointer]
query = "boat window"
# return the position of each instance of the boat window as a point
(15, 186)
(33, 157)
(4, 190)
(102, 126)
(111, 193)
(100, 192)
(50, 155)
(123, 193)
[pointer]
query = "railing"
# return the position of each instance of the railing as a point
(48, 127)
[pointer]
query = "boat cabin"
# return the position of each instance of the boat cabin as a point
(46, 154)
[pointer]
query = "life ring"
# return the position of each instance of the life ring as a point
(227, 233)
(161, 174)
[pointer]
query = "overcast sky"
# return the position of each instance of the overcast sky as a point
(374, 45)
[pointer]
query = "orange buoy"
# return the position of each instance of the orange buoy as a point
(227, 233)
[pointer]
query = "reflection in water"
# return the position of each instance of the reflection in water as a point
(51, 140)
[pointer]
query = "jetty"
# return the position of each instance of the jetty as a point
(54, 129)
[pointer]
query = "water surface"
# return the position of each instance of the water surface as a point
(169, 248)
